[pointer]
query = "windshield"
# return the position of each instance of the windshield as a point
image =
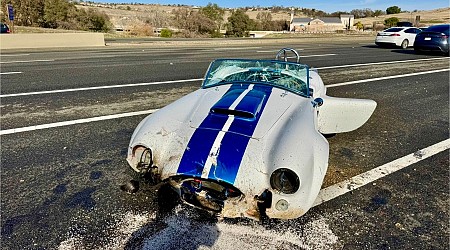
(286, 75)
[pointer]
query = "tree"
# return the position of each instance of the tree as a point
(239, 24)
(378, 13)
(265, 21)
(393, 10)
(98, 21)
(358, 13)
(338, 13)
(368, 12)
(193, 22)
(392, 21)
(215, 13)
(56, 14)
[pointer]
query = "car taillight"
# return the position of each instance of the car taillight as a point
(395, 34)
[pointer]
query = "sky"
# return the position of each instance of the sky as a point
(324, 5)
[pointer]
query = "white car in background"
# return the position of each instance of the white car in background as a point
(397, 36)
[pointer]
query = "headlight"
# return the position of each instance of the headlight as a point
(143, 157)
(285, 181)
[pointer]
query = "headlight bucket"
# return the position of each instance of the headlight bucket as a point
(285, 181)
(143, 157)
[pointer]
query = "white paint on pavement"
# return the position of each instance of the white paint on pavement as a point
(372, 175)
(381, 63)
(385, 78)
(10, 73)
(201, 79)
(99, 87)
(273, 51)
(108, 117)
(14, 55)
(31, 61)
(73, 122)
(235, 48)
(318, 55)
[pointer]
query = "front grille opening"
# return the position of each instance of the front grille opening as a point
(205, 193)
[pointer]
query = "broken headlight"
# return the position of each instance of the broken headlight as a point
(285, 181)
(143, 158)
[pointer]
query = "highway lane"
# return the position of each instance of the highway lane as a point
(110, 66)
(93, 68)
(60, 185)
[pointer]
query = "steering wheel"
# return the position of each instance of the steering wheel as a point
(284, 54)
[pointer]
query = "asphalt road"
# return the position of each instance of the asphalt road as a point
(60, 185)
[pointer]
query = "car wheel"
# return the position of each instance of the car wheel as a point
(404, 44)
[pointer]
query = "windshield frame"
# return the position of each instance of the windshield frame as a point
(277, 64)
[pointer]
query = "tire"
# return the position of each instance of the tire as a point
(404, 44)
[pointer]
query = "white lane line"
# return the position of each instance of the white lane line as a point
(240, 48)
(272, 51)
(73, 122)
(381, 63)
(30, 61)
(385, 78)
(10, 73)
(318, 55)
(15, 55)
(59, 124)
(154, 83)
(372, 175)
(99, 87)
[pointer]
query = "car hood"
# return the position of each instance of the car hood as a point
(245, 109)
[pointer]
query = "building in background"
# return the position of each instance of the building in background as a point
(321, 24)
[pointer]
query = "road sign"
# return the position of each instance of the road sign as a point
(10, 12)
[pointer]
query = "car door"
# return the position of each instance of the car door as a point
(338, 115)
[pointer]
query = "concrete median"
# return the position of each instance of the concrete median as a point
(51, 40)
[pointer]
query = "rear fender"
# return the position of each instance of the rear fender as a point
(338, 115)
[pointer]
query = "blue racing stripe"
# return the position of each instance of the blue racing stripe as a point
(200, 144)
(233, 145)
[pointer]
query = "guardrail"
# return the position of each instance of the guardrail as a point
(50, 40)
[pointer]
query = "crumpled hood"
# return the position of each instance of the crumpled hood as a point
(246, 104)
(225, 123)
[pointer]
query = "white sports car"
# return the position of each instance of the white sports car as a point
(250, 142)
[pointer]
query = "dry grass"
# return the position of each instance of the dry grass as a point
(134, 16)
(120, 14)
(427, 17)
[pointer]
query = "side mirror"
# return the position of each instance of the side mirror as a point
(317, 102)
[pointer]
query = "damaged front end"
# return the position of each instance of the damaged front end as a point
(216, 196)
(205, 193)
(219, 197)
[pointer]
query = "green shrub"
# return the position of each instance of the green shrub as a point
(166, 33)
(391, 21)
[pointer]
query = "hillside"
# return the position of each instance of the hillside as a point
(427, 18)
(123, 14)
